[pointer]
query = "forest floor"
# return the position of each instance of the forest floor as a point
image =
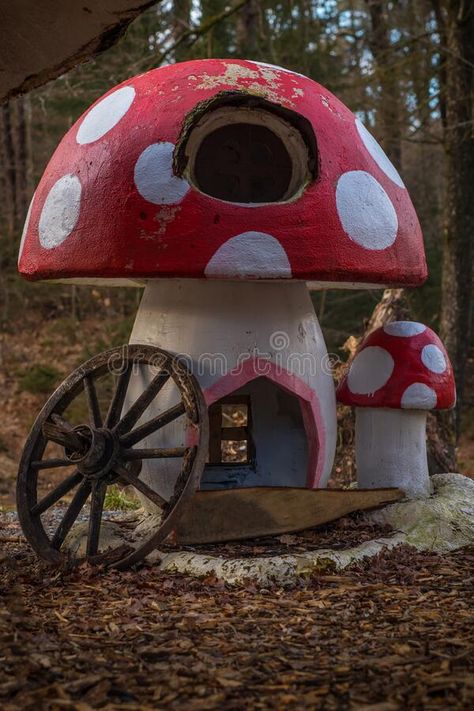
(393, 633)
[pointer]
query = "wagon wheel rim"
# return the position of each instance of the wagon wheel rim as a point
(106, 450)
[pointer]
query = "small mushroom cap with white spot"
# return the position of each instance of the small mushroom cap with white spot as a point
(116, 205)
(400, 365)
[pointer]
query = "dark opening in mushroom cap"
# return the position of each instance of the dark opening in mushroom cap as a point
(221, 169)
(401, 365)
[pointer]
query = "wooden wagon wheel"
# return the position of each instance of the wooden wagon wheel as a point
(96, 454)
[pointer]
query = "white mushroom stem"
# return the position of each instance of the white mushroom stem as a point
(223, 328)
(391, 450)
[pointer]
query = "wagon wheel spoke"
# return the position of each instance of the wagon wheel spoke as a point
(57, 433)
(61, 421)
(116, 405)
(141, 403)
(56, 494)
(72, 512)
(128, 478)
(129, 455)
(92, 402)
(153, 425)
(51, 463)
(62, 424)
(99, 489)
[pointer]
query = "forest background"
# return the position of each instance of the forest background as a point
(404, 67)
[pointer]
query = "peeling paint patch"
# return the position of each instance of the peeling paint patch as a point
(232, 76)
(156, 237)
(269, 93)
(262, 81)
(146, 236)
(165, 216)
(270, 75)
(264, 66)
(326, 102)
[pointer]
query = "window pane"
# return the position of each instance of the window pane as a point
(234, 452)
(235, 415)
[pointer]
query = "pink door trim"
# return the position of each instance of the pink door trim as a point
(313, 421)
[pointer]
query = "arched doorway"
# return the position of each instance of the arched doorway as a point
(257, 438)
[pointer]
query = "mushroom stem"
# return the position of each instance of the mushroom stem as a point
(262, 341)
(391, 450)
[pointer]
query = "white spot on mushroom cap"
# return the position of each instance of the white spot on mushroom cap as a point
(105, 115)
(433, 358)
(404, 329)
(252, 255)
(419, 396)
(365, 210)
(154, 177)
(25, 229)
(370, 370)
(60, 211)
(378, 154)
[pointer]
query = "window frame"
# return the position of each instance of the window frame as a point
(219, 433)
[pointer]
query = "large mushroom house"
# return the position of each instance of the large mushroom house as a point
(399, 373)
(229, 189)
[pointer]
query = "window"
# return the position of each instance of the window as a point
(246, 150)
(243, 162)
(230, 438)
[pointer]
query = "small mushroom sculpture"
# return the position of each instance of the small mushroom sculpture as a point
(399, 373)
(230, 189)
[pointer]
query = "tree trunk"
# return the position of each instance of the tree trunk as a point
(21, 163)
(181, 23)
(388, 110)
(9, 162)
(457, 18)
(247, 30)
(392, 306)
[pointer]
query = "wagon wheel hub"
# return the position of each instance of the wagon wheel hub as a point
(97, 455)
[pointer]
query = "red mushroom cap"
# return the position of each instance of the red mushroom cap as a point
(401, 365)
(114, 204)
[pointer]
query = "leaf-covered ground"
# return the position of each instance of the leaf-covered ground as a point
(395, 633)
